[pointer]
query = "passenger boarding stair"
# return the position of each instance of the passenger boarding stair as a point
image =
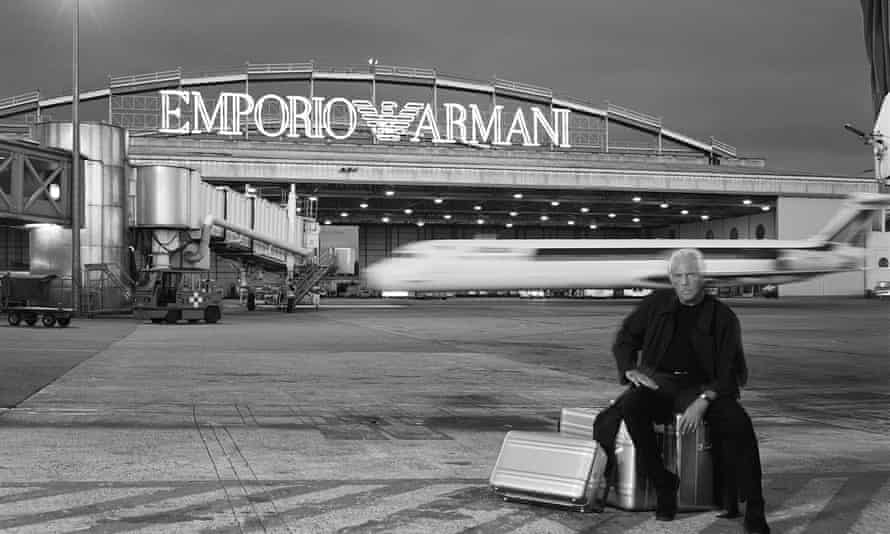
(108, 289)
(313, 273)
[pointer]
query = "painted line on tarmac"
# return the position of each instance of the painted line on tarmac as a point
(839, 514)
(372, 512)
(66, 511)
(683, 523)
(876, 513)
(44, 350)
(513, 518)
(544, 525)
(6, 492)
(799, 510)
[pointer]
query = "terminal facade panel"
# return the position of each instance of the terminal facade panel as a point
(386, 155)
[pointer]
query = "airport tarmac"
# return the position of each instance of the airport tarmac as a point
(387, 416)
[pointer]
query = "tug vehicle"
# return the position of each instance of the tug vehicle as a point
(172, 295)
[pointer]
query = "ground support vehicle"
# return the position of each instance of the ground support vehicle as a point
(881, 290)
(29, 298)
(173, 295)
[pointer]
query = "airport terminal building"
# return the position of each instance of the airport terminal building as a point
(281, 164)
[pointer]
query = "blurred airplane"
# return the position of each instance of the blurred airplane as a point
(496, 264)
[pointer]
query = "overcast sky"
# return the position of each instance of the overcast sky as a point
(777, 79)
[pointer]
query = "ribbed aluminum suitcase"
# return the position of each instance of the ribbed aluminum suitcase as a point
(549, 468)
(577, 422)
(689, 457)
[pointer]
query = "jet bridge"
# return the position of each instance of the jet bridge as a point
(179, 220)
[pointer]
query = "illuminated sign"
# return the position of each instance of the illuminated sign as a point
(297, 116)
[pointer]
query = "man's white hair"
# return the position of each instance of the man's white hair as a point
(684, 253)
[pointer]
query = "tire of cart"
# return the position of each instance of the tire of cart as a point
(211, 314)
(63, 320)
(48, 320)
(173, 316)
(30, 319)
(14, 318)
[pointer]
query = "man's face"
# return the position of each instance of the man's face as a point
(687, 280)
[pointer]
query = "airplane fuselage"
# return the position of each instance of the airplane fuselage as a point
(599, 263)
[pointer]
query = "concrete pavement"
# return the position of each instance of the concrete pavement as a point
(386, 416)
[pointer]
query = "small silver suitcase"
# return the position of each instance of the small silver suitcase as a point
(577, 422)
(549, 468)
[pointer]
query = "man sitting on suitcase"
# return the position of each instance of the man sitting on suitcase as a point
(691, 363)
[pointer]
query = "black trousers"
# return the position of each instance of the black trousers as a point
(731, 430)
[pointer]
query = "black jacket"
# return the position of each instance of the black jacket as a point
(716, 339)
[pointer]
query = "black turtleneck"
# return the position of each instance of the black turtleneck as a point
(680, 355)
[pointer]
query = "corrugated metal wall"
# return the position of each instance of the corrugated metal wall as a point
(14, 251)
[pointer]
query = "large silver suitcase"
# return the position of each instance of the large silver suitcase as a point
(546, 467)
(688, 456)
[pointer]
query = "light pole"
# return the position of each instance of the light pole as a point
(75, 168)
(372, 67)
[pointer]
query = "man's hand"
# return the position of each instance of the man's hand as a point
(692, 417)
(639, 379)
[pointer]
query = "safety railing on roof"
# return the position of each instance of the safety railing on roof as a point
(406, 72)
(144, 79)
(448, 76)
(19, 100)
(635, 116)
(349, 69)
(522, 88)
(719, 146)
(280, 68)
(234, 70)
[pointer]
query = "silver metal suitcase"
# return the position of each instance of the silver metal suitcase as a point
(577, 422)
(688, 456)
(549, 468)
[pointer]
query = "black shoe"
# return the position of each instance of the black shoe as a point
(666, 509)
(731, 513)
(756, 525)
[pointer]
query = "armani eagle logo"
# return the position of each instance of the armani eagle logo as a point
(386, 124)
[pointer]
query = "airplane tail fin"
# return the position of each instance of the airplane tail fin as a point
(854, 218)
(881, 140)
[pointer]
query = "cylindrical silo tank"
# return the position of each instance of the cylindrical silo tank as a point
(104, 232)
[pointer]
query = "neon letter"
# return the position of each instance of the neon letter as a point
(199, 114)
(518, 126)
(166, 112)
(538, 119)
(451, 122)
(318, 118)
(562, 117)
(353, 119)
(282, 115)
(237, 111)
(303, 116)
(428, 122)
(492, 129)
